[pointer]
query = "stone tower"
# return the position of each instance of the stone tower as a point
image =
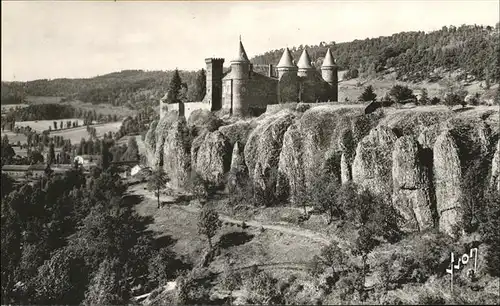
(286, 64)
(329, 72)
(240, 71)
(213, 95)
(304, 65)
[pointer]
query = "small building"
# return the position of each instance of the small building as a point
(136, 169)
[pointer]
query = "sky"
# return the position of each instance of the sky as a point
(55, 39)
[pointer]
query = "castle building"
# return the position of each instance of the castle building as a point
(244, 92)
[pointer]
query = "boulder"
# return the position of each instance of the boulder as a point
(238, 131)
(411, 188)
(447, 176)
(176, 153)
(150, 143)
(238, 170)
(372, 166)
(213, 158)
(263, 149)
(317, 140)
(203, 120)
(345, 169)
(290, 167)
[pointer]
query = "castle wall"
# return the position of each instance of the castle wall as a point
(189, 107)
(314, 88)
(249, 96)
(288, 87)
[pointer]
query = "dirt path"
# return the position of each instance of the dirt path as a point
(288, 229)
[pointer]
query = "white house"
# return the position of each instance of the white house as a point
(135, 170)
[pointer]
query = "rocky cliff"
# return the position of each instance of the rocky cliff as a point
(416, 159)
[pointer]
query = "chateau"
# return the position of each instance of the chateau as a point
(241, 91)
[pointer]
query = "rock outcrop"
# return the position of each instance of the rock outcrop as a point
(415, 159)
(263, 148)
(372, 166)
(495, 168)
(213, 159)
(411, 187)
(238, 171)
(448, 176)
(176, 153)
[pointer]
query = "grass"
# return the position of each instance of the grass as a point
(76, 134)
(42, 125)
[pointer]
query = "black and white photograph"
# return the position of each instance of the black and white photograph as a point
(250, 152)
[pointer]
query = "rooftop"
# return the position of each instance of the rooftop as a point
(328, 61)
(305, 61)
(286, 60)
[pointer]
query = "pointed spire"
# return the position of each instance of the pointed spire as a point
(305, 61)
(328, 61)
(286, 60)
(242, 55)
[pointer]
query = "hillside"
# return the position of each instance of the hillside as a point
(415, 56)
(125, 88)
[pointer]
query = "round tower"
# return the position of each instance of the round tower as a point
(240, 75)
(286, 64)
(304, 65)
(329, 72)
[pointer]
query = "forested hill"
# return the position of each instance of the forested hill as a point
(472, 51)
(118, 88)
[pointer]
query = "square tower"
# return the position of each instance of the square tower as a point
(213, 95)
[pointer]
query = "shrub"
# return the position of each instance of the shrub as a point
(428, 298)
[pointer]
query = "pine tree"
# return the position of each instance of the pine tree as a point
(52, 155)
(200, 85)
(174, 88)
(424, 99)
(368, 94)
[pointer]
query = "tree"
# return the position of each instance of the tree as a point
(157, 181)
(200, 85)
(333, 256)
(174, 88)
(424, 98)
(452, 99)
(55, 125)
(208, 223)
(52, 155)
(132, 152)
(368, 94)
(401, 94)
(106, 156)
(61, 279)
(106, 287)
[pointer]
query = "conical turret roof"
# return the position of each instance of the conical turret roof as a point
(242, 55)
(305, 61)
(286, 60)
(328, 61)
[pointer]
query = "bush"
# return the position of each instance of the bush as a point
(351, 74)
(263, 289)
(428, 298)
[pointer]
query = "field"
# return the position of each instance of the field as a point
(76, 134)
(274, 247)
(42, 125)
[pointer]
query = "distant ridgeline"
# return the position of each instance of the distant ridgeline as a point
(415, 56)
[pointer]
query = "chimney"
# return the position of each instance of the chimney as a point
(270, 70)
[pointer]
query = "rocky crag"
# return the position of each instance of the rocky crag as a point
(416, 159)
